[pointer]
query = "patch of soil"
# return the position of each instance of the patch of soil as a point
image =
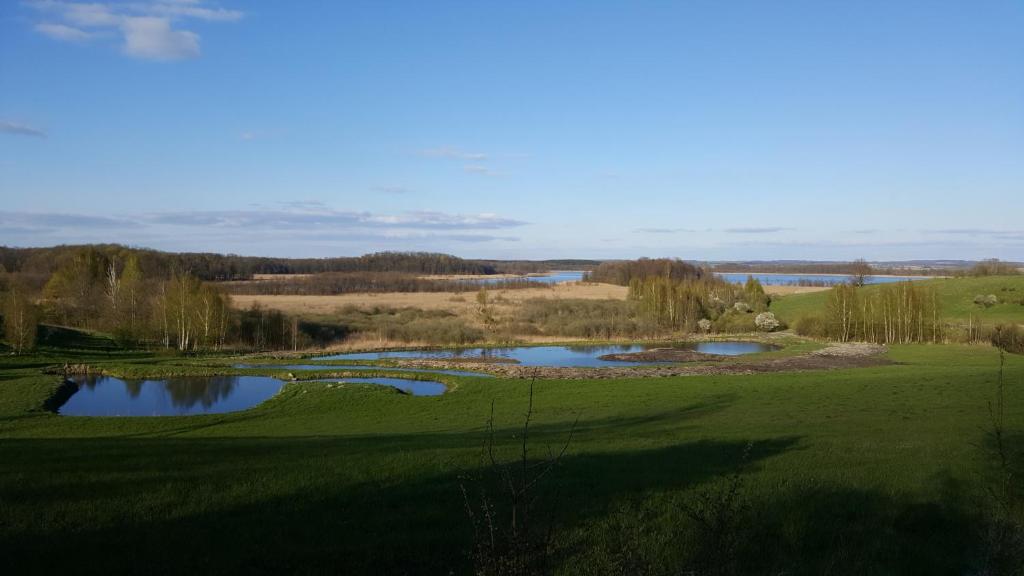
(663, 355)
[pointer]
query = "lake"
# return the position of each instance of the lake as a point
(795, 279)
(561, 356)
(554, 277)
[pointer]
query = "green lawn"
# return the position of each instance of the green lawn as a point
(870, 471)
(956, 297)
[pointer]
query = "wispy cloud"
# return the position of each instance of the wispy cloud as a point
(452, 152)
(147, 28)
(480, 169)
(8, 127)
(62, 32)
(292, 223)
(756, 230)
(662, 230)
(293, 215)
(391, 189)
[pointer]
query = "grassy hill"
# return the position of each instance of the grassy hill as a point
(956, 294)
(863, 471)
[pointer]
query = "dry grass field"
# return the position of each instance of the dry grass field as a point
(464, 304)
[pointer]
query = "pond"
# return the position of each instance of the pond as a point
(560, 356)
(808, 279)
(414, 387)
(109, 396)
(340, 367)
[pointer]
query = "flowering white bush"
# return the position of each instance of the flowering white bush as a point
(741, 307)
(766, 321)
(704, 324)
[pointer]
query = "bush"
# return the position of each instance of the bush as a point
(986, 301)
(579, 318)
(812, 327)
(1008, 337)
(734, 322)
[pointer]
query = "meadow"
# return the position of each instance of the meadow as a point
(956, 300)
(882, 470)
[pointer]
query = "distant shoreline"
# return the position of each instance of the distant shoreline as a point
(829, 274)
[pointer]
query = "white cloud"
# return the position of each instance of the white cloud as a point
(149, 30)
(20, 129)
(152, 38)
(62, 32)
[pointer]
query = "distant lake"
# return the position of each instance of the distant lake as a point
(550, 278)
(768, 279)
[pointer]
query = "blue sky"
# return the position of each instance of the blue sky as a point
(703, 130)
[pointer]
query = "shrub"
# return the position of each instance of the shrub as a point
(704, 324)
(733, 321)
(741, 307)
(986, 301)
(812, 327)
(1008, 337)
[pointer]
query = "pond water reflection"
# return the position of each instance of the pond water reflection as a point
(109, 396)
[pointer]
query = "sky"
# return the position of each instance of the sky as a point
(705, 130)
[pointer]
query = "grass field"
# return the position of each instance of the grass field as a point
(956, 298)
(877, 470)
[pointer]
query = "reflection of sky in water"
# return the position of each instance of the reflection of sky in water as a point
(575, 356)
(109, 396)
(343, 367)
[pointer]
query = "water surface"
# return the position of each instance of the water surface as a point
(795, 279)
(109, 396)
(560, 356)
(550, 278)
(340, 367)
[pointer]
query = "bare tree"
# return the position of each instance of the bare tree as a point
(20, 320)
(512, 531)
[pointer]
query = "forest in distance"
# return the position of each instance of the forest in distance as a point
(156, 299)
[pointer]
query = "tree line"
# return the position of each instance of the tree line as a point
(330, 283)
(702, 303)
(39, 263)
(113, 292)
(898, 313)
(623, 272)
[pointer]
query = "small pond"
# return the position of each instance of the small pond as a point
(414, 387)
(109, 396)
(560, 356)
(341, 367)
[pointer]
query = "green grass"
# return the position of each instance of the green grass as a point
(878, 470)
(956, 300)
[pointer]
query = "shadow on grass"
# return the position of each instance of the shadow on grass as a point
(391, 504)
